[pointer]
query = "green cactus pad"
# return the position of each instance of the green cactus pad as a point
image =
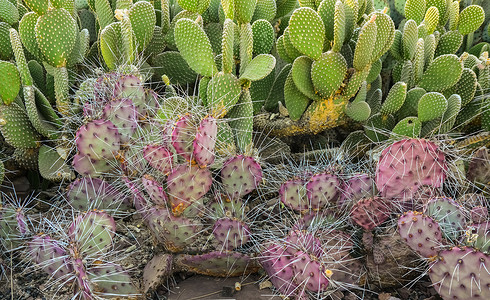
(452, 111)
(364, 47)
(395, 99)
(110, 41)
(94, 232)
(244, 10)
(301, 74)
(56, 33)
(111, 280)
(291, 51)
(415, 10)
(263, 34)
(172, 64)
(409, 38)
(223, 93)
(466, 86)
(27, 33)
(38, 6)
(410, 127)
(358, 111)
(396, 49)
(214, 31)
(296, 101)
(265, 9)
(385, 35)
(195, 47)
(52, 167)
(281, 50)
(284, 7)
(470, 19)
(328, 73)
(104, 12)
(8, 12)
(143, 20)
(430, 45)
(40, 113)
(436, 78)
(431, 19)
(326, 10)
(5, 47)
(9, 82)
(20, 58)
(259, 67)
(198, 6)
(409, 108)
(339, 26)
(246, 44)
(16, 127)
(431, 106)
(307, 32)
(228, 60)
(449, 43)
(418, 61)
(241, 121)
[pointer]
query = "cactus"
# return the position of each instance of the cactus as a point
(421, 233)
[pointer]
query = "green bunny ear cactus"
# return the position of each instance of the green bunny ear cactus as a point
(301, 74)
(328, 73)
(242, 121)
(198, 6)
(259, 67)
(436, 78)
(395, 99)
(244, 10)
(8, 12)
(364, 47)
(27, 33)
(16, 127)
(227, 43)
(223, 92)
(56, 33)
(9, 82)
(431, 106)
(470, 19)
(143, 20)
(410, 127)
(307, 32)
(431, 19)
(110, 41)
(263, 34)
(296, 101)
(358, 111)
(52, 167)
(195, 47)
(415, 10)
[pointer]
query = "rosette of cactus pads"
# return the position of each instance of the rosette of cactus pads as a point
(406, 166)
(461, 273)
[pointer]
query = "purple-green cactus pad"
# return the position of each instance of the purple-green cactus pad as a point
(83, 286)
(310, 273)
(183, 136)
(87, 166)
(205, 141)
(293, 194)
(187, 184)
(240, 175)
(98, 139)
(370, 213)
(218, 263)
(130, 86)
(123, 114)
(301, 240)
(139, 201)
(158, 269)
(109, 280)
(357, 187)
(461, 273)
(88, 193)
(479, 167)
(479, 214)
(13, 226)
(175, 233)
(408, 164)
(277, 263)
(159, 157)
(49, 255)
(448, 214)
(154, 190)
(322, 189)
(421, 233)
(231, 233)
(93, 232)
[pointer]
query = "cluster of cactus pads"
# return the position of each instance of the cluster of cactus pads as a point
(145, 111)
